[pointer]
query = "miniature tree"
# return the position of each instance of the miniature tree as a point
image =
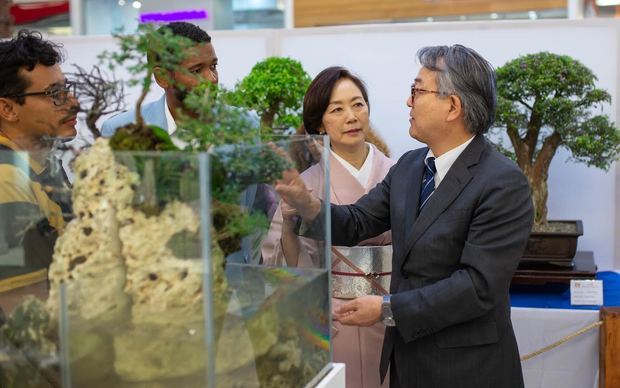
(228, 133)
(275, 88)
(98, 95)
(212, 123)
(166, 51)
(547, 101)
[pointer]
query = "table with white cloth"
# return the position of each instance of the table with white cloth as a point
(542, 315)
(575, 363)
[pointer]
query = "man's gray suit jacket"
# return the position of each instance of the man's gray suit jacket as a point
(452, 266)
(153, 113)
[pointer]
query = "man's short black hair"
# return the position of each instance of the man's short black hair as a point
(183, 29)
(25, 50)
(188, 30)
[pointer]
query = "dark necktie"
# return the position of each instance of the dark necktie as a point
(428, 183)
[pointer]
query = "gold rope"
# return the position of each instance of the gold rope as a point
(562, 340)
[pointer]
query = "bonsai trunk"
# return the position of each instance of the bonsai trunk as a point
(266, 120)
(536, 167)
(139, 118)
(146, 86)
(91, 119)
(6, 22)
(539, 198)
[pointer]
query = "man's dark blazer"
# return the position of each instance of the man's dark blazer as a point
(451, 267)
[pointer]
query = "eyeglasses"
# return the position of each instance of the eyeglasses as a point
(59, 96)
(415, 90)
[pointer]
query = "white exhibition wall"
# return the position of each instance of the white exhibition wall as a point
(384, 56)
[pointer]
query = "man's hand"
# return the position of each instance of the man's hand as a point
(363, 311)
(293, 191)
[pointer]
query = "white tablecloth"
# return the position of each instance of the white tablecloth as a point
(572, 364)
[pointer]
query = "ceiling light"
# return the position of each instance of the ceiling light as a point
(136, 4)
(604, 3)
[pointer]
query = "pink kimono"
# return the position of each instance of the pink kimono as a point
(358, 347)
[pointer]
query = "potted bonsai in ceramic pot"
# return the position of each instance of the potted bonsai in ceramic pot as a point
(547, 101)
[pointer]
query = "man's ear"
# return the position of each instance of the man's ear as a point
(161, 77)
(455, 111)
(7, 110)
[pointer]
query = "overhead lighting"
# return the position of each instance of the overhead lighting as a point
(532, 15)
(605, 3)
(121, 2)
(136, 4)
(494, 16)
(429, 19)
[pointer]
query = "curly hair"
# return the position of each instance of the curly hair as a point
(26, 50)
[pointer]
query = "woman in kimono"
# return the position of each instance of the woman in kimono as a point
(336, 104)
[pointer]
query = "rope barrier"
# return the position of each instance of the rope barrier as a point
(561, 341)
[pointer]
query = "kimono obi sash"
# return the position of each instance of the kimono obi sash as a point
(361, 270)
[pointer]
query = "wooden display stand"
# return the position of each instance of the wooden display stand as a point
(609, 360)
(541, 271)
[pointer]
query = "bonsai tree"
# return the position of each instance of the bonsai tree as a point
(547, 101)
(98, 95)
(154, 43)
(213, 123)
(275, 88)
(226, 132)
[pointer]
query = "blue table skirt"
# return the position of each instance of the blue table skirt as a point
(557, 296)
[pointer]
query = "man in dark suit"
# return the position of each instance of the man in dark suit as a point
(460, 215)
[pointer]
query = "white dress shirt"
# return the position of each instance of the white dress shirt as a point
(172, 125)
(445, 161)
(172, 128)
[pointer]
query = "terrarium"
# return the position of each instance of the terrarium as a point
(157, 278)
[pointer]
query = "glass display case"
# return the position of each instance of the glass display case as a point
(149, 271)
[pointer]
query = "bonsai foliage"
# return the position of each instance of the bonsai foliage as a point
(165, 51)
(98, 95)
(27, 347)
(547, 101)
(275, 88)
(213, 121)
(237, 160)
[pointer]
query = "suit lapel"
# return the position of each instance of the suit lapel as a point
(449, 189)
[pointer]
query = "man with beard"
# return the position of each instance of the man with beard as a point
(37, 107)
(200, 63)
